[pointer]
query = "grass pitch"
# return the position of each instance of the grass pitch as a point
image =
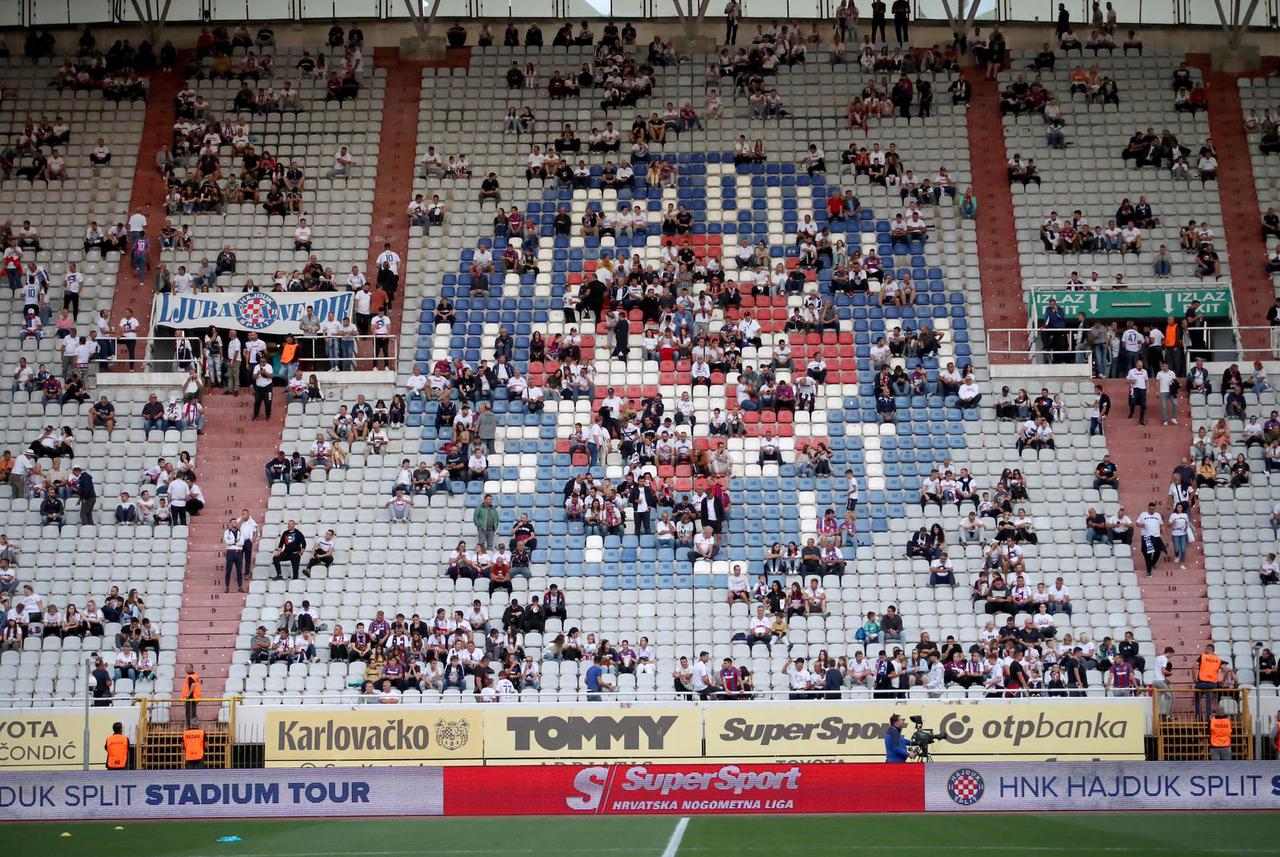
(1038, 835)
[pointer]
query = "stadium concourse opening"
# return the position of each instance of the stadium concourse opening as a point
(705, 438)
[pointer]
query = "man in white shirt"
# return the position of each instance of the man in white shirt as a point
(389, 256)
(739, 586)
(331, 329)
(704, 545)
(129, 326)
(1165, 379)
(72, 283)
(597, 443)
(341, 163)
(137, 225)
(1059, 598)
(381, 327)
(1131, 344)
(1121, 526)
(302, 236)
(760, 630)
(1137, 378)
(235, 352)
(1151, 525)
(969, 394)
(416, 383)
(1164, 674)
(183, 282)
(799, 679)
(700, 678)
(262, 378)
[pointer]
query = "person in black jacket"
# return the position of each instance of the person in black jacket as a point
(289, 549)
(643, 499)
(82, 486)
(878, 8)
(901, 13)
(553, 604)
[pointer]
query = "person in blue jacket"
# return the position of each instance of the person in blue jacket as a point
(895, 746)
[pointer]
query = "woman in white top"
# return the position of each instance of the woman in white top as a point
(126, 663)
(1180, 529)
(92, 616)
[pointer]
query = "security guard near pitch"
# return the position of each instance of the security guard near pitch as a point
(117, 748)
(191, 693)
(1219, 736)
(193, 747)
(1207, 668)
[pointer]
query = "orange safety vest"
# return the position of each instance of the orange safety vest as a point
(1220, 732)
(193, 685)
(117, 752)
(1208, 671)
(1170, 335)
(193, 745)
(288, 351)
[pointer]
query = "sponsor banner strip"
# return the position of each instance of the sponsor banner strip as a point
(1024, 729)
(732, 732)
(205, 794)
(47, 740)
(687, 789)
(1102, 786)
(265, 312)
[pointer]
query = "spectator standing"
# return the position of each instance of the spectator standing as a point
(486, 522)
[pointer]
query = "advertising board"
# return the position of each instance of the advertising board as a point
(211, 794)
(32, 740)
(686, 789)
(537, 735)
(974, 730)
(1102, 787)
(373, 736)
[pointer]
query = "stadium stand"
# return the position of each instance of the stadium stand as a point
(91, 141)
(681, 607)
(518, 293)
(1083, 179)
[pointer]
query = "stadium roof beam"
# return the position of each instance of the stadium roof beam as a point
(1235, 27)
(692, 17)
(422, 21)
(961, 19)
(153, 14)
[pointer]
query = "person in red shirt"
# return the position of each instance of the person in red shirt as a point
(835, 205)
(730, 680)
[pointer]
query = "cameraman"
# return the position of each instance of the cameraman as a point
(895, 746)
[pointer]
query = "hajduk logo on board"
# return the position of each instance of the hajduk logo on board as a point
(965, 786)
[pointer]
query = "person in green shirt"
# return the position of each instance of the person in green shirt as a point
(486, 521)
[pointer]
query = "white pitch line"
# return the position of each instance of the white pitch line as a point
(673, 844)
(844, 847)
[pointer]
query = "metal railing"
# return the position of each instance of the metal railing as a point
(1132, 13)
(1223, 343)
(1180, 722)
(314, 354)
(160, 743)
(849, 695)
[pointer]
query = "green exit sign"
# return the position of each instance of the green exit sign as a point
(1136, 304)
